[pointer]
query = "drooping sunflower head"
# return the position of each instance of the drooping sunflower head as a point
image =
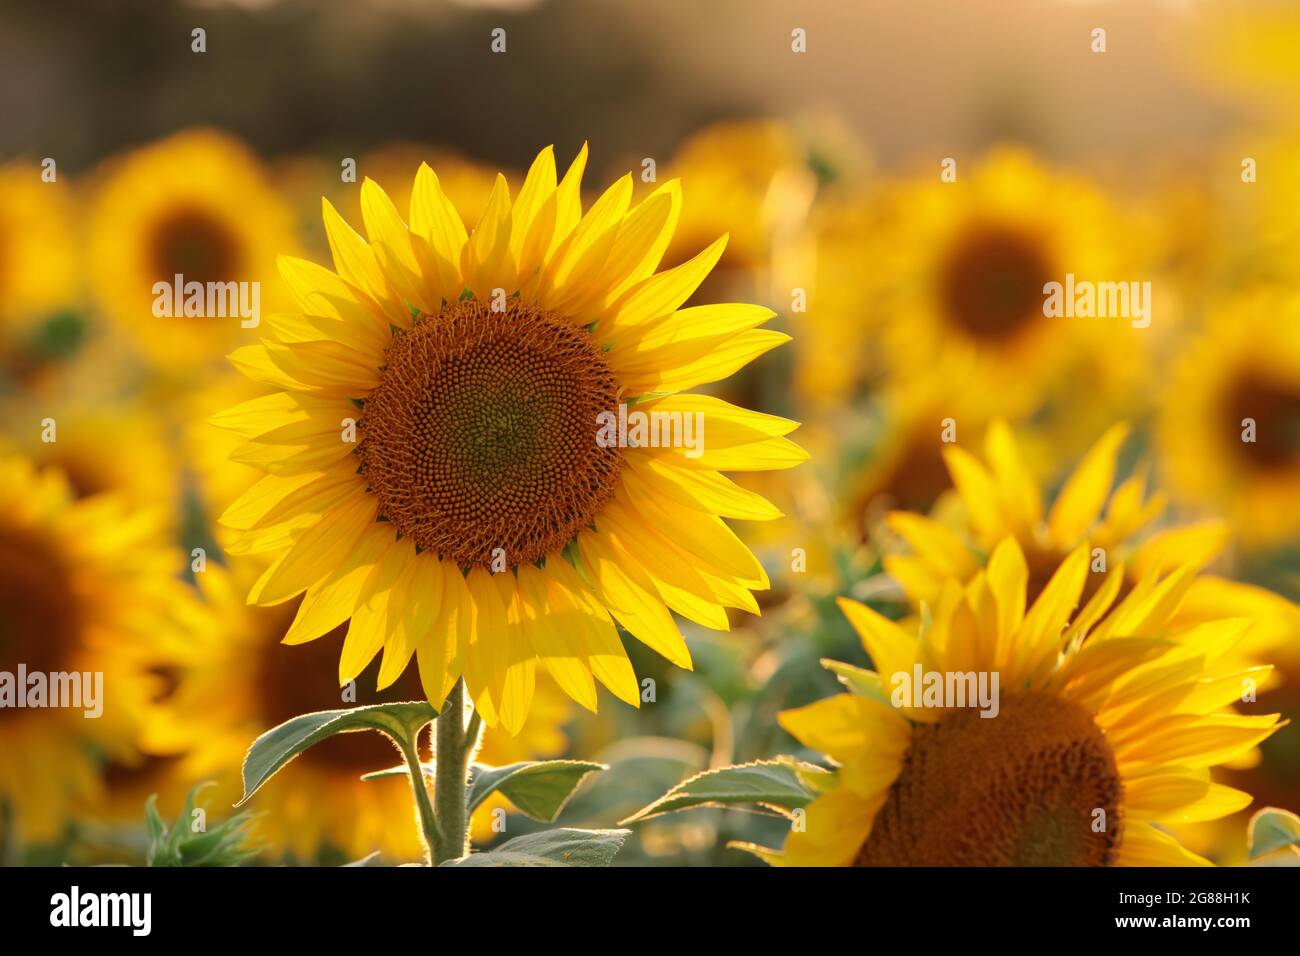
(481, 449)
(1005, 733)
(87, 588)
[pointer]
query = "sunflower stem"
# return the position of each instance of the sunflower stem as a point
(455, 743)
(420, 787)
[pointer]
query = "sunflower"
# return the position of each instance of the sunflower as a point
(303, 180)
(465, 183)
(1102, 731)
(86, 586)
(197, 204)
(99, 446)
(1229, 431)
(903, 465)
(234, 679)
(38, 263)
(956, 286)
(438, 427)
(750, 179)
(1003, 497)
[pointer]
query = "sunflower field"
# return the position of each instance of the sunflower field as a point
(753, 434)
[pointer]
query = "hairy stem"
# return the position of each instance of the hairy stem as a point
(453, 748)
(420, 787)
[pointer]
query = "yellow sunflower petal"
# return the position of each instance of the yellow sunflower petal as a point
(1079, 504)
(1144, 845)
(633, 603)
(486, 260)
(439, 236)
(890, 648)
(846, 726)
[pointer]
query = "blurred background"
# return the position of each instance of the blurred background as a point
(1170, 156)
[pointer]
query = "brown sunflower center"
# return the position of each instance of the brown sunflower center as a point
(39, 618)
(991, 282)
(194, 244)
(304, 678)
(1275, 409)
(916, 477)
(1023, 788)
(482, 433)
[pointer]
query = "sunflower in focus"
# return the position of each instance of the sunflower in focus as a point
(197, 204)
(465, 183)
(1106, 726)
(1229, 432)
(234, 679)
(86, 586)
(438, 471)
(38, 264)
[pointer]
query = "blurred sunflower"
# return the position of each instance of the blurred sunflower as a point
(197, 204)
(473, 368)
(99, 447)
(949, 277)
(903, 465)
(750, 180)
(1229, 430)
(1005, 498)
(236, 679)
(1105, 729)
(85, 586)
(39, 265)
(830, 370)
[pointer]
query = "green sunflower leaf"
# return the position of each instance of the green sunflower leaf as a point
(275, 748)
(540, 789)
(783, 784)
(1273, 829)
(562, 846)
(226, 844)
